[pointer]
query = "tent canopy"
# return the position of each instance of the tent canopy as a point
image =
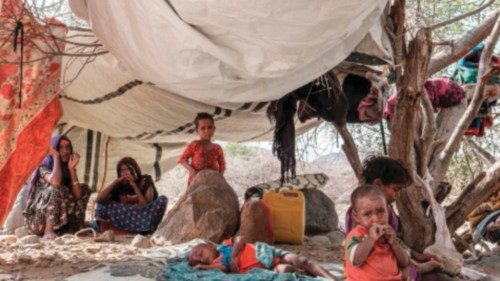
(169, 60)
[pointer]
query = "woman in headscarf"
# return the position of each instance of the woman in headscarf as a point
(130, 202)
(57, 200)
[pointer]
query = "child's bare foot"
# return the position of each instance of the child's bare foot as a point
(429, 266)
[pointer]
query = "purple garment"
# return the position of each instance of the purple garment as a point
(393, 219)
(48, 163)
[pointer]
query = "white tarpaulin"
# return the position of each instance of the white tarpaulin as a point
(171, 59)
(230, 51)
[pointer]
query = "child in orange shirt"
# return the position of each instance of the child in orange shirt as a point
(371, 250)
(202, 154)
(241, 257)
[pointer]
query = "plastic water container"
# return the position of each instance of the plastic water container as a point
(288, 214)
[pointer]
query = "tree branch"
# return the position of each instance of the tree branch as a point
(447, 120)
(350, 151)
(403, 123)
(477, 192)
(428, 133)
(396, 30)
(490, 159)
(462, 45)
(477, 99)
(471, 13)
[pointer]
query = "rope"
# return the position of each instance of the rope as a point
(382, 132)
(19, 30)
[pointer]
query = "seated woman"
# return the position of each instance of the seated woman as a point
(56, 200)
(130, 202)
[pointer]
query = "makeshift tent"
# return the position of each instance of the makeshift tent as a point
(169, 60)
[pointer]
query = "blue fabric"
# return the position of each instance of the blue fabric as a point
(226, 254)
(482, 231)
(265, 253)
(182, 271)
(129, 217)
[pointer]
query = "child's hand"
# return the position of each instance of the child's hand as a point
(389, 234)
(199, 266)
(376, 230)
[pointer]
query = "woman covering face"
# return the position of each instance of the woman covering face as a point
(133, 194)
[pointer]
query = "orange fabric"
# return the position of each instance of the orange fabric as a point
(26, 122)
(380, 265)
(247, 257)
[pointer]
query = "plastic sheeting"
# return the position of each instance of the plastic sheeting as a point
(230, 51)
(171, 59)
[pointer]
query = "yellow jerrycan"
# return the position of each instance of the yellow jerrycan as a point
(288, 214)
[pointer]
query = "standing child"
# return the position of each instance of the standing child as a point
(202, 154)
(371, 250)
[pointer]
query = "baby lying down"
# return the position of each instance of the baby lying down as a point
(237, 256)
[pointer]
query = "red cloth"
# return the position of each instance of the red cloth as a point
(27, 123)
(201, 158)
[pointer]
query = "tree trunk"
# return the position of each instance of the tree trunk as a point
(418, 229)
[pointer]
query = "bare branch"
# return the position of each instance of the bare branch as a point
(477, 99)
(474, 194)
(428, 133)
(350, 151)
(490, 159)
(461, 17)
(461, 46)
(396, 26)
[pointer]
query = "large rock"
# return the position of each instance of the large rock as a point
(452, 260)
(254, 222)
(321, 216)
(209, 209)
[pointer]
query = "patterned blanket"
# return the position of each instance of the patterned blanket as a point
(300, 182)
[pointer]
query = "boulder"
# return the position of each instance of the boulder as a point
(320, 240)
(336, 238)
(321, 216)
(452, 260)
(209, 209)
(254, 222)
